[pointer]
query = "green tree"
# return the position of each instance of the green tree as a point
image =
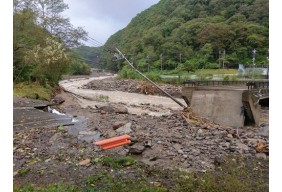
(26, 35)
(41, 36)
(49, 15)
(50, 62)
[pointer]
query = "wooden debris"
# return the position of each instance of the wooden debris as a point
(193, 118)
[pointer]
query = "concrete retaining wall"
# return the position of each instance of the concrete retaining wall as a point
(219, 105)
(254, 107)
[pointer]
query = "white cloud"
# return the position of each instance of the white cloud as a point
(102, 18)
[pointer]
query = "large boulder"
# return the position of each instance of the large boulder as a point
(57, 100)
(113, 108)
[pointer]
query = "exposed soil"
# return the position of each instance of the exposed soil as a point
(67, 154)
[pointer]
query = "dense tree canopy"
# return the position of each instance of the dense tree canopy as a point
(202, 34)
(42, 39)
(48, 14)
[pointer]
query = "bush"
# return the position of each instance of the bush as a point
(128, 73)
(226, 78)
(154, 76)
(79, 68)
(212, 66)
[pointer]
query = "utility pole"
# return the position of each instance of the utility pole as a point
(167, 94)
(223, 59)
(161, 56)
(254, 56)
(267, 64)
(219, 53)
(148, 63)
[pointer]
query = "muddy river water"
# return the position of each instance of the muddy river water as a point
(134, 102)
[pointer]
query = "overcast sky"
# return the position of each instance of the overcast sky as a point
(102, 18)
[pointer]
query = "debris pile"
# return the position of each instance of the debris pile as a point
(146, 88)
(193, 118)
(132, 86)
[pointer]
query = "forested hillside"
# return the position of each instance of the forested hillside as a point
(192, 34)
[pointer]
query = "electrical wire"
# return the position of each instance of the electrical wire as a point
(97, 43)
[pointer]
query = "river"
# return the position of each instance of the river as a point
(135, 103)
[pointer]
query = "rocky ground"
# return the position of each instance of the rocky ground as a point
(170, 142)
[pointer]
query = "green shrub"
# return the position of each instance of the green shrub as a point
(79, 68)
(118, 162)
(212, 66)
(226, 78)
(154, 76)
(128, 73)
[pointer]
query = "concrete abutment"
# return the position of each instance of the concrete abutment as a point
(230, 106)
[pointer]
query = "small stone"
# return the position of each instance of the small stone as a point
(177, 146)
(225, 145)
(228, 139)
(118, 124)
(199, 138)
(133, 139)
(136, 150)
(242, 146)
(103, 112)
(229, 135)
(148, 143)
(153, 158)
(205, 126)
(54, 138)
(112, 108)
(170, 153)
(57, 100)
(196, 152)
(261, 155)
(200, 132)
(232, 148)
(125, 129)
(120, 109)
(180, 151)
(84, 162)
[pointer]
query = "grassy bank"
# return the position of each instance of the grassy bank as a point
(33, 91)
(124, 174)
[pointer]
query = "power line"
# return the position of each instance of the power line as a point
(92, 42)
(83, 59)
(96, 43)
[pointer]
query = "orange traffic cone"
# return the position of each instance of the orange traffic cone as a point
(114, 142)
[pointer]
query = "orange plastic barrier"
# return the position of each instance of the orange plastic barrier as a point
(114, 142)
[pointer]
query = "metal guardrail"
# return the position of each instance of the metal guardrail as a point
(257, 84)
(249, 84)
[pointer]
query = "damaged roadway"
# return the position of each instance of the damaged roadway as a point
(167, 140)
